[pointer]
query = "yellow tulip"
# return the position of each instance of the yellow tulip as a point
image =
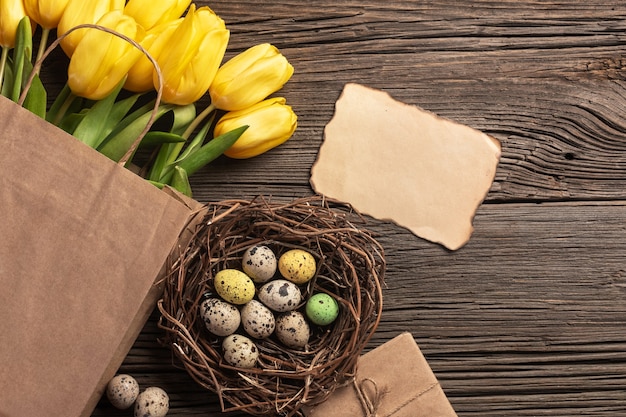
(189, 64)
(140, 75)
(11, 12)
(271, 122)
(102, 60)
(78, 12)
(250, 77)
(46, 13)
(150, 13)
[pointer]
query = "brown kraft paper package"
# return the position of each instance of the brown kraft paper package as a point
(83, 242)
(393, 380)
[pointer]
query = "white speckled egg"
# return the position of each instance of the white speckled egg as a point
(259, 263)
(152, 402)
(122, 391)
(234, 286)
(257, 320)
(240, 351)
(293, 330)
(297, 266)
(280, 295)
(220, 317)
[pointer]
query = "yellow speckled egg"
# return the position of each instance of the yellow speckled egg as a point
(234, 286)
(297, 266)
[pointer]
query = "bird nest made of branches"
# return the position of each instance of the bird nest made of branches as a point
(350, 267)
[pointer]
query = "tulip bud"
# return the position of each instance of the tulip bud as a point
(46, 13)
(271, 122)
(150, 13)
(78, 12)
(189, 64)
(11, 12)
(140, 76)
(250, 77)
(102, 60)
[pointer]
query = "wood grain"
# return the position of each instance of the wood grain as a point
(528, 319)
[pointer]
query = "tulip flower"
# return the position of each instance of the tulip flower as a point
(189, 64)
(250, 77)
(271, 122)
(11, 12)
(150, 13)
(140, 75)
(101, 60)
(47, 13)
(78, 12)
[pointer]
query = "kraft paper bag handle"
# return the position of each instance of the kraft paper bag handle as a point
(159, 90)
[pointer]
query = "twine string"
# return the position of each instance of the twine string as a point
(369, 403)
(370, 396)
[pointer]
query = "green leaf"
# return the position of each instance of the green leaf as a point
(183, 117)
(93, 127)
(22, 52)
(7, 83)
(211, 150)
(119, 142)
(36, 99)
(168, 155)
(159, 138)
(180, 181)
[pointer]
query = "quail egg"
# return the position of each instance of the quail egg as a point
(122, 391)
(240, 351)
(280, 295)
(257, 320)
(220, 317)
(152, 402)
(234, 286)
(293, 330)
(259, 263)
(322, 309)
(297, 266)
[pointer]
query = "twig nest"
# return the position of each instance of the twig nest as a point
(287, 354)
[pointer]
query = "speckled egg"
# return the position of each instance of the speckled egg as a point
(259, 263)
(234, 286)
(297, 266)
(292, 329)
(122, 391)
(220, 317)
(152, 402)
(280, 295)
(257, 320)
(322, 309)
(240, 351)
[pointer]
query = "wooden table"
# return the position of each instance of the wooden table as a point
(529, 318)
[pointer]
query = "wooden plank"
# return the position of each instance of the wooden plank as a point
(544, 78)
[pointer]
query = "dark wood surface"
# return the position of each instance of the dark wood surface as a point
(529, 318)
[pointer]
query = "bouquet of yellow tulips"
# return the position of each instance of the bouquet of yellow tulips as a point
(131, 63)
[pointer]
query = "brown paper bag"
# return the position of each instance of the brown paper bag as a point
(82, 244)
(393, 380)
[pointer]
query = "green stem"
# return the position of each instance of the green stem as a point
(196, 122)
(63, 109)
(3, 64)
(45, 33)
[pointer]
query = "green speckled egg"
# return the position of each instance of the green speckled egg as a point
(322, 309)
(234, 286)
(297, 266)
